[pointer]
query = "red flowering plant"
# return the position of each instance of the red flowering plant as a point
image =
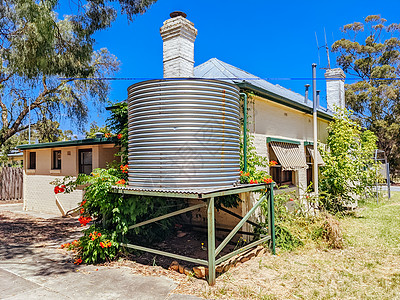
(256, 165)
(97, 246)
(65, 185)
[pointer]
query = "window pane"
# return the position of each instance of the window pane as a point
(85, 161)
(87, 158)
(32, 160)
(57, 159)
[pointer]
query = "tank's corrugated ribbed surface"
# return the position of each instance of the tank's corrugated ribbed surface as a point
(183, 134)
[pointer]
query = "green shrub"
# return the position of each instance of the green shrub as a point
(349, 169)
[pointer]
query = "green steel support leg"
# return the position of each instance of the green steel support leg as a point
(271, 218)
(211, 241)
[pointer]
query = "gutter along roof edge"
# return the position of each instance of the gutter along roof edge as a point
(281, 100)
(68, 143)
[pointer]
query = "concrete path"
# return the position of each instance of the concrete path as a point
(43, 271)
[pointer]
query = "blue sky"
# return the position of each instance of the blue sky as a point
(270, 39)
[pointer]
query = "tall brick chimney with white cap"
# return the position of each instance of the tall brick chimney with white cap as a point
(178, 35)
(335, 88)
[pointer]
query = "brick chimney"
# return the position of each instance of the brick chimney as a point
(178, 35)
(335, 88)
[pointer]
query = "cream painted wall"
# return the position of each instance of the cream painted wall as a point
(275, 120)
(270, 119)
(101, 155)
(38, 192)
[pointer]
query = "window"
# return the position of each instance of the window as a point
(289, 158)
(85, 161)
(281, 177)
(57, 160)
(32, 160)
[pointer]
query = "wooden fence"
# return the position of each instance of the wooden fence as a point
(10, 183)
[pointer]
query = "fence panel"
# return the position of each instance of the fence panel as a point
(10, 183)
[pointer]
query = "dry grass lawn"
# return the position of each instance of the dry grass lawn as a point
(367, 268)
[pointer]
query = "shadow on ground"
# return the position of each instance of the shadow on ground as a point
(32, 243)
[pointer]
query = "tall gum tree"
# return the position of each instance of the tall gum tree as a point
(41, 55)
(370, 51)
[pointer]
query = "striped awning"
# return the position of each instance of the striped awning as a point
(289, 155)
(319, 157)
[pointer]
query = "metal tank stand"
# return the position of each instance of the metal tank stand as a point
(208, 197)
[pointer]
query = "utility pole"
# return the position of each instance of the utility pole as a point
(29, 131)
(315, 123)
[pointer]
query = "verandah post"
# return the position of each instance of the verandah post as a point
(271, 217)
(211, 241)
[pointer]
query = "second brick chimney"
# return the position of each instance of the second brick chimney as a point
(335, 88)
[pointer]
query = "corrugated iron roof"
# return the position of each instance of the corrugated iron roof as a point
(68, 143)
(215, 68)
(200, 193)
(289, 155)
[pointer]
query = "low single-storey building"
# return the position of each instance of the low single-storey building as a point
(45, 162)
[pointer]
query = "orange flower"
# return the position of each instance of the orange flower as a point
(84, 220)
(66, 245)
(107, 135)
(78, 261)
(83, 202)
(121, 181)
(119, 136)
(273, 163)
(268, 180)
(99, 234)
(82, 211)
(101, 244)
(124, 169)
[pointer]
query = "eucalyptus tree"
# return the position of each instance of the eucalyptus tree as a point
(370, 51)
(42, 54)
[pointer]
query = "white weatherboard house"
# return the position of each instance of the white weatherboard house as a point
(279, 119)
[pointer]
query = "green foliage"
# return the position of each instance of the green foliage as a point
(94, 128)
(118, 123)
(371, 51)
(113, 213)
(256, 164)
(97, 245)
(349, 169)
(41, 54)
(298, 224)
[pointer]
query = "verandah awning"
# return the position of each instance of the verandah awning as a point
(289, 155)
(319, 157)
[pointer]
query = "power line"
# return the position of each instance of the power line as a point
(228, 78)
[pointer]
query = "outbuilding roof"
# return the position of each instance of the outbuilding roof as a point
(68, 143)
(217, 69)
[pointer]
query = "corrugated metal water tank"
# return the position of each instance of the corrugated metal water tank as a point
(183, 134)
